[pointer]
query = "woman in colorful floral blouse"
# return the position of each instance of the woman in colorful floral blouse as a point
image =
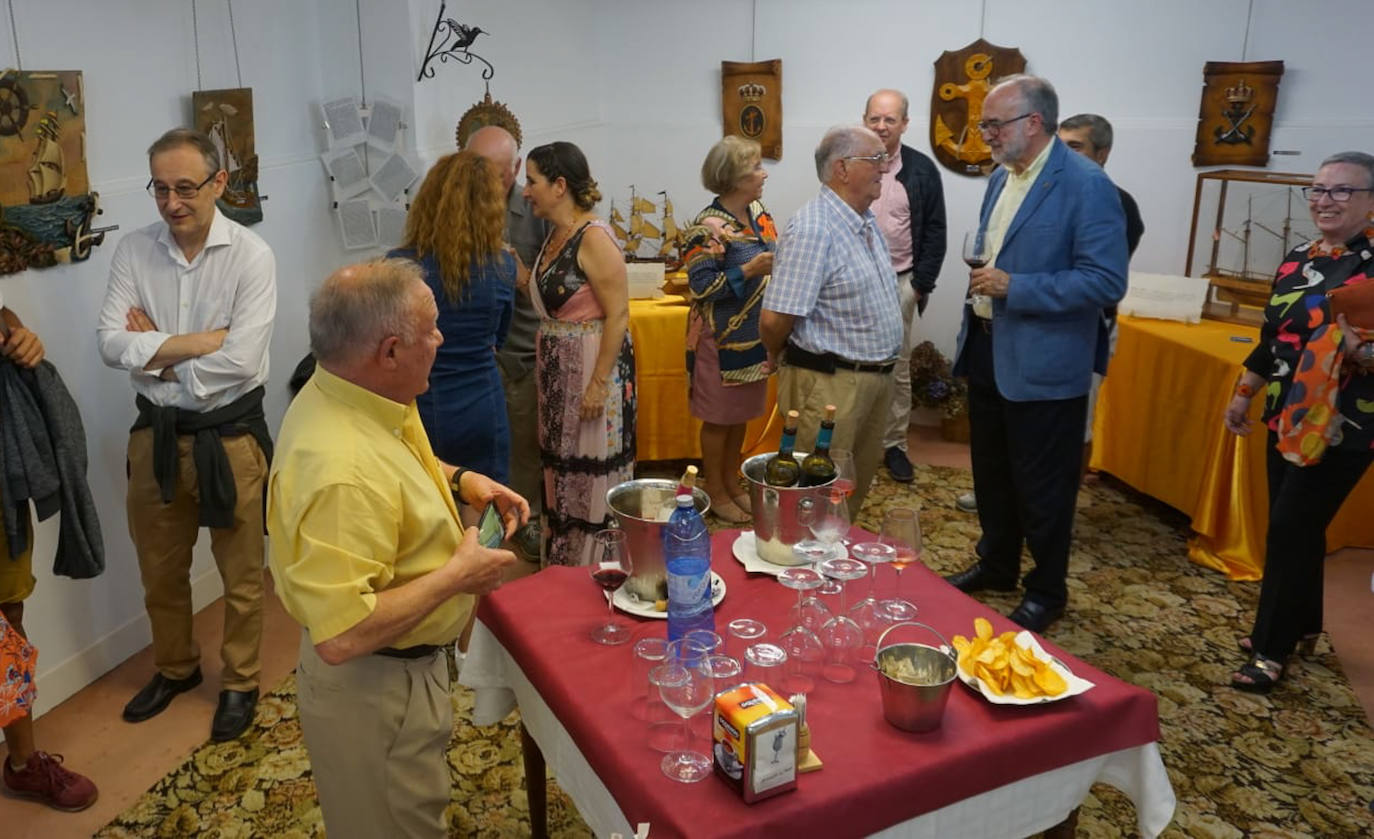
(729, 255)
(1317, 378)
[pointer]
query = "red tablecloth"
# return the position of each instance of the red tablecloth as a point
(874, 775)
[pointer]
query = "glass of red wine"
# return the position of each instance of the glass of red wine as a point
(976, 255)
(610, 567)
(902, 532)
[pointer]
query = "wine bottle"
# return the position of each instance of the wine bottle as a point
(783, 470)
(684, 487)
(817, 468)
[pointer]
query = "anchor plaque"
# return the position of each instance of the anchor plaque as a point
(1237, 112)
(751, 102)
(962, 81)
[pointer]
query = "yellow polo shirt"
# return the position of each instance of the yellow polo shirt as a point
(356, 504)
(1014, 191)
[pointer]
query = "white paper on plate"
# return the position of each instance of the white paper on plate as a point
(1026, 639)
(384, 123)
(355, 222)
(1164, 296)
(343, 122)
(393, 177)
(348, 170)
(391, 226)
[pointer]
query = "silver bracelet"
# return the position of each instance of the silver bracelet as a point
(1364, 354)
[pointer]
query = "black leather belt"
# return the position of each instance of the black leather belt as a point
(417, 651)
(829, 362)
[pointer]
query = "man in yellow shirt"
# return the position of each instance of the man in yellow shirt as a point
(369, 555)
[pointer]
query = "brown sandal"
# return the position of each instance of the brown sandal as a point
(742, 501)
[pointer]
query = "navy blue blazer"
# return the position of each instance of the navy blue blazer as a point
(1066, 253)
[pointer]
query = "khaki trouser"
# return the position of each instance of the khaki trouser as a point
(862, 402)
(522, 413)
(164, 535)
(377, 730)
(899, 417)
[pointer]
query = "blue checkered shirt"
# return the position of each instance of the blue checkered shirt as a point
(832, 271)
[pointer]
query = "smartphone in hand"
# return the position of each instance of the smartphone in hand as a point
(491, 529)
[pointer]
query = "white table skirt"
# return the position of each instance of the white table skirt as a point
(1021, 808)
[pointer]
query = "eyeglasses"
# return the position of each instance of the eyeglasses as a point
(995, 126)
(876, 159)
(185, 191)
(1340, 194)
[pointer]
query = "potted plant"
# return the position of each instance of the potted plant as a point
(934, 386)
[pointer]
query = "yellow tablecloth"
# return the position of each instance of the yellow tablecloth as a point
(1159, 428)
(666, 429)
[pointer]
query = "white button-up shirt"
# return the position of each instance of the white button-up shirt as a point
(232, 283)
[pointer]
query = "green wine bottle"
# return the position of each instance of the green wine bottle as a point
(783, 470)
(817, 468)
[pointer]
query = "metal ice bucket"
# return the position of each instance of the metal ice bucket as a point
(777, 525)
(641, 509)
(918, 704)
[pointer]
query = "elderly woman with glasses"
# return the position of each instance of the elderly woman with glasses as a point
(1316, 374)
(729, 255)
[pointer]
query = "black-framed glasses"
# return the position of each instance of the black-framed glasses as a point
(876, 159)
(995, 126)
(183, 191)
(1339, 194)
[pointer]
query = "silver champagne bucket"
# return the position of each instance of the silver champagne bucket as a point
(778, 512)
(641, 508)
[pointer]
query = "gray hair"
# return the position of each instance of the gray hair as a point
(1354, 158)
(1038, 96)
(1099, 130)
(728, 162)
(839, 142)
(361, 305)
(179, 137)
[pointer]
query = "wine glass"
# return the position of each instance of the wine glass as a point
(841, 635)
(868, 613)
(804, 649)
(902, 532)
(827, 517)
(845, 475)
(687, 686)
(977, 254)
(610, 566)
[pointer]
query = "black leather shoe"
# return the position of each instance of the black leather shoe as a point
(1034, 616)
(233, 714)
(978, 578)
(898, 466)
(157, 695)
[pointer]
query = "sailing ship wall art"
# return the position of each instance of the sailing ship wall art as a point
(226, 117)
(46, 204)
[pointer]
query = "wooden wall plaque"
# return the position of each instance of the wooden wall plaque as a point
(962, 80)
(751, 102)
(1236, 114)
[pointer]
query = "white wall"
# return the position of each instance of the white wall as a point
(635, 83)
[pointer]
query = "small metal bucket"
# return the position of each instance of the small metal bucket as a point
(917, 704)
(641, 509)
(777, 512)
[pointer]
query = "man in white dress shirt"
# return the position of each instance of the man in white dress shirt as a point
(188, 312)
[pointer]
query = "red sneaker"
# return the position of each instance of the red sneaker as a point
(45, 779)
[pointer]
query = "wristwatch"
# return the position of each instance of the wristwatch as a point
(455, 484)
(1364, 354)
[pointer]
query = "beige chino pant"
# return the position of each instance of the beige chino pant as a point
(164, 535)
(377, 730)
(862, 403)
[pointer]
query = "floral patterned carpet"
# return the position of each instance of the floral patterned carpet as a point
(1296, 763)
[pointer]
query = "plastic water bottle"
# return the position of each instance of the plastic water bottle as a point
(687, 557)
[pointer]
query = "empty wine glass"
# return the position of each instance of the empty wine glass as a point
(687, 687)
(901, 532)
(610, 566)
(827, 517)
(868, 613)
(742, 632)
(804, 649)
(841, 635)
(977, 253)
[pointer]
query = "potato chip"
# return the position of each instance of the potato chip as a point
(1004, 666)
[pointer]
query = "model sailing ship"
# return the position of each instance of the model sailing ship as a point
(641, 229)
(47, 174)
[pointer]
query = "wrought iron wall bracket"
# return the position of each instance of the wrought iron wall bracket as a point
(451, 39)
